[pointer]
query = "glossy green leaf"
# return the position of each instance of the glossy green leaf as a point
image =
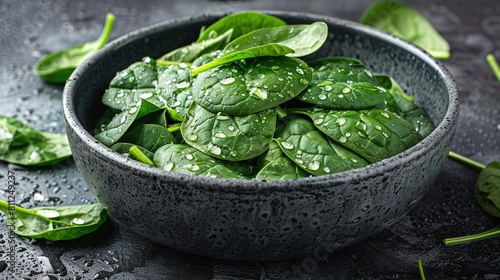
(342, 83)
(303, 39)
(260, 51)
(277, 166)
(175, 81)
(55, 223)
(231, 138)
(310, 149)
(402, 104)
(374, 134)
(58, 66)
(149, 136)
(291, 40)
(23, 145)
(111, 132)
(191, 52)
(487, 189)
(246, 87)
(182, 158)
(240, 23)
(403, 21)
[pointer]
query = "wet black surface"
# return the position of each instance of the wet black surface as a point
(30, 29)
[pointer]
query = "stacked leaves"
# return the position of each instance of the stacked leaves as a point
(241, 103)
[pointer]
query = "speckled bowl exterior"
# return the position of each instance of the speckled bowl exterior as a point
(261, 220)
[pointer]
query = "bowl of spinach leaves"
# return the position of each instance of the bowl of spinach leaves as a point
(259, 135)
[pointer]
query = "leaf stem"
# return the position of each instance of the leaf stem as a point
(490, 58)
(421, 269)
(473, 237)
(106, 31)
(140, 156)
(466, 161)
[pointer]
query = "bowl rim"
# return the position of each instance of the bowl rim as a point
(250, 185)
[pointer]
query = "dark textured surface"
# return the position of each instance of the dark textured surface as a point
(33, 28)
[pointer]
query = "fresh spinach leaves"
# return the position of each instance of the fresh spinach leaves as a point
(403, 21)
(23, 145)
(54, 223)
(58, 66)
(229, 106)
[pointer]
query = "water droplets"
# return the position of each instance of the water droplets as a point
(287, 145)
(220, 134)
(227, 81)
(78, 221)
(168, 166)
(48, 213)
(145, 95)
(385, 114)
(123, 119)
(192, 137)
(214, 149)
(182, 85)
(221, 116)
(341, 121)
(346, 90)
(313, 165)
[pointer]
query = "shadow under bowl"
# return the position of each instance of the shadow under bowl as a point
(261, 220)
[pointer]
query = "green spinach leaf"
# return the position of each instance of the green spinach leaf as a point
(191, 52)
(300, 40)
(185, 159)
(249, 86)
(149, 136)
(110, 133)
(58, 66)
(487, 189)
(343, 84)
(240, 23)
(231, 138)
(375, 134)
(54, 223)
(403, 105)
(275, 165)
(310, 149)
(23, 145)
(403, 21)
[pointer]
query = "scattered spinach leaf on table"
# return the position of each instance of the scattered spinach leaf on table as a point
(23, 145)
(54, 223)
(403, 21)
(57, 66)
(486, 193)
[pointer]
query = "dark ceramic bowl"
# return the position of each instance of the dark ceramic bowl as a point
(261, 220)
